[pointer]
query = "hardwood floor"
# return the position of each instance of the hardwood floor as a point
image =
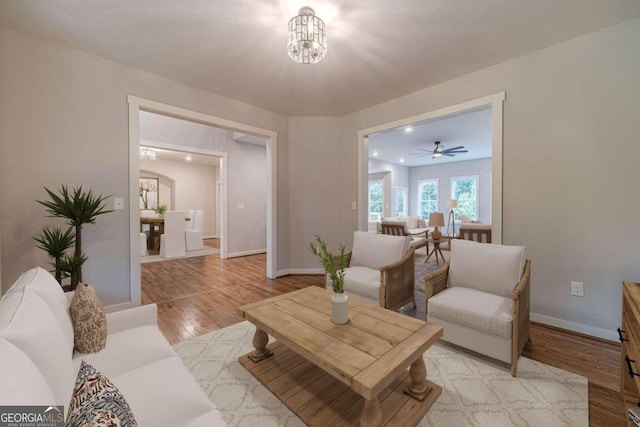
(198, 295)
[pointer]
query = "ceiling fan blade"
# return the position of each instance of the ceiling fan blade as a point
(455, 151)
(455, 148)
(449, 154)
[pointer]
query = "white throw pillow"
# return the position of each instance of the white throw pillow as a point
(411, 221)
(487, 267)
(27, 322)
(41, 282)
(22, 383)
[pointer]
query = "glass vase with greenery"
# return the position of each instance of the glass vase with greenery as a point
(333, 265)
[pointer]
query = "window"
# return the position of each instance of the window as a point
(427, 197)
(402, 196)
(376, 198)
(465, 190)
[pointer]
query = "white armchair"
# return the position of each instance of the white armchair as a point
(477, 232)
(172, 244)
(380, 270)
(481, 299)
(193, 233)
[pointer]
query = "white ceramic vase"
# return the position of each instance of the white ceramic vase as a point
(339, 308)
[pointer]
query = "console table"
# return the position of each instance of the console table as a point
(629, 332)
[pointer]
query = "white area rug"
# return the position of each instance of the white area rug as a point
(476, 391)
(200, 252)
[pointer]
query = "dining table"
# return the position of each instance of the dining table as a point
(156, 229)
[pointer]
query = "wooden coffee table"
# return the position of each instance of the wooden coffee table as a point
(351, 374)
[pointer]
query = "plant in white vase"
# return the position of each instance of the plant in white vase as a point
(334, 267)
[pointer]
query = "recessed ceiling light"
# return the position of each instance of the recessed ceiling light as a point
(408, 129)
(401, 159)
(375, 153)
(188, 158)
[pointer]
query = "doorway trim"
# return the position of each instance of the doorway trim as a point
(137, 104)
(494, 101)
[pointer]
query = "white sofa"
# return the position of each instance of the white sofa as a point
(415, 225)
(38, 365)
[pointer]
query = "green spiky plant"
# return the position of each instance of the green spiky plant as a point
(333, 265)
(72, 265)
(56, 242)
(79, 207)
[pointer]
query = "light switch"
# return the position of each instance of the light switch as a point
(354, 205)
(118, 203)
(240, 206)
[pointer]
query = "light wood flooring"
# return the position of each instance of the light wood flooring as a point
(198, 295)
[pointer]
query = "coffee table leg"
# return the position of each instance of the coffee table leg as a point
(371, 413)
(260, 340)
(418, 373)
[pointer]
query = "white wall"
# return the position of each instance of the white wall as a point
(444, 172)
(194, 188)
(66, 112)
(570, 167)
(315, 186)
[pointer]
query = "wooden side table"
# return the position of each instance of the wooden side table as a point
(436, 248)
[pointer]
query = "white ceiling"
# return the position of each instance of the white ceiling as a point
(470, 129)
(184, 156)
(377, 50)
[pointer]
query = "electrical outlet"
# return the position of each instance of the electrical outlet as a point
(577, 289)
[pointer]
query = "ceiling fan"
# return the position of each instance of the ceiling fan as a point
(440, 151)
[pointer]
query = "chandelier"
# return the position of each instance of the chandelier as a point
(307, 37)
(147, 153)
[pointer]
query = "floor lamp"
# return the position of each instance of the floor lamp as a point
(451, 205)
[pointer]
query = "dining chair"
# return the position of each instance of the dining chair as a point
(143, 245)
(193, 234)
(172, 243)
(191, 214)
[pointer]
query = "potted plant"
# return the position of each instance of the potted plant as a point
(56, 243)
(160, 210)
(79, 207)
(334, 268)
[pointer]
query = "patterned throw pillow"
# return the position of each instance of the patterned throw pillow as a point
(89, 320)
(96, 402)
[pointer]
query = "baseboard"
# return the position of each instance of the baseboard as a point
(576, 327)
(215, 236)
(246, 253)
(306, 271)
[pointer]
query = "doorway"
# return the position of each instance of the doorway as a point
(494, 102)
(136, 105)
